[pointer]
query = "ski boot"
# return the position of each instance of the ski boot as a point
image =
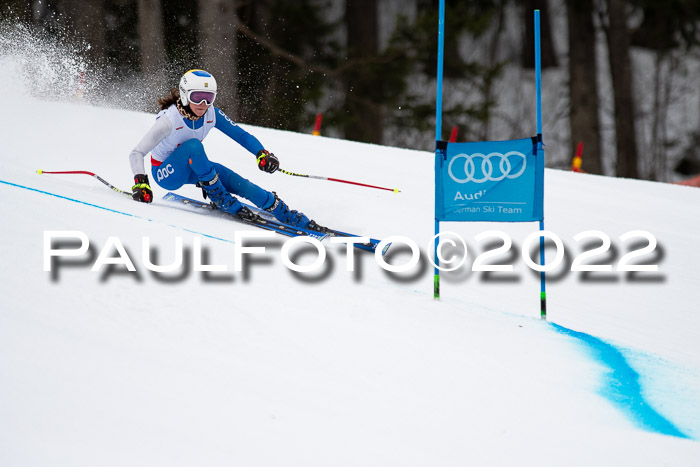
(282, 213)
(223, 200)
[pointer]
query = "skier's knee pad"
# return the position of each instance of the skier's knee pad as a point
(192, 146)
(196, 157)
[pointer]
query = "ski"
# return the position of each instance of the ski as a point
(262, 222)
(369, 246)
(267, 221)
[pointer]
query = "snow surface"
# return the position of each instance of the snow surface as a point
(266, 367)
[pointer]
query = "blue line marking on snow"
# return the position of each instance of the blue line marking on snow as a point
(111, 210)
(622, 386)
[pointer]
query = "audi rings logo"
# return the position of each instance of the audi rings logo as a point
(492, 167)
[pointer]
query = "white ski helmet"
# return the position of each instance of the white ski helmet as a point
(197, 86)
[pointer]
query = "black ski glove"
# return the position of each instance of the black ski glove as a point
(267, 162)
(141, 191)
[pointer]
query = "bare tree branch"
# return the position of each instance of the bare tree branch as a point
(302, 63)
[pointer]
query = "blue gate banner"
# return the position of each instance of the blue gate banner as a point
(497, 181)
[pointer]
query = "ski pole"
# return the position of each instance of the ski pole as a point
(395, 190)
(84, 172)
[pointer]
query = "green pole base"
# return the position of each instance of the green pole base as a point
(543, 305)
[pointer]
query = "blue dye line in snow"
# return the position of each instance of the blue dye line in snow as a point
(622, 386)
(110, 210)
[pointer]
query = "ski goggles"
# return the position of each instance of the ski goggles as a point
(197, 97)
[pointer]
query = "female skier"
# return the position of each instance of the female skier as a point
(178, 157)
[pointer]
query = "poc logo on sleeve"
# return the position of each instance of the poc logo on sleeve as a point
(164, 172)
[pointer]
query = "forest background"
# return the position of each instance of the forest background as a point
(620, 76)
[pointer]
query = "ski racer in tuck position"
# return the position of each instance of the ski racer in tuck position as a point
(178, 158)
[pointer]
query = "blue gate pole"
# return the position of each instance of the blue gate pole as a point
(438, 137)
(538, 85)
(538, 73)
(441, 52)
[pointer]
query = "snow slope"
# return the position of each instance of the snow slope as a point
(266, 367)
